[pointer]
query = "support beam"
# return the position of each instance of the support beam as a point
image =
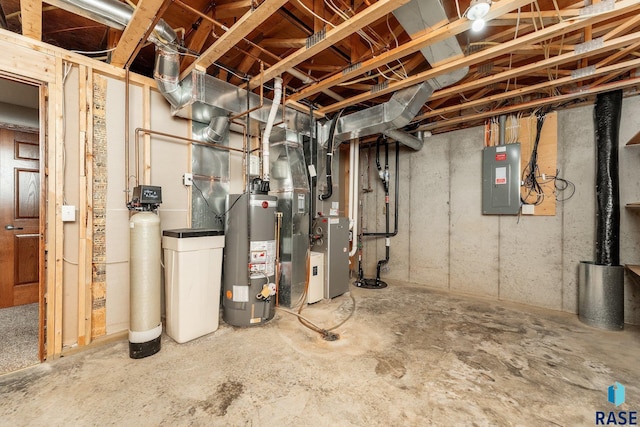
(197, 40)
(233, 9)
(144, 16)
(235, 34)
(622, 7)
(284, 43)
(31, 12)
(538, 88)
(408, 48)
(533, 104)
(340, 32)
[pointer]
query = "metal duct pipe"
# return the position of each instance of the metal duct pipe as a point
(166, 74)
(405, 139)
(217, 130)
(393, 114)
(418, 16)
(114, 14)
(607, 125)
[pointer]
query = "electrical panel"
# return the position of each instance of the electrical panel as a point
(501, 179)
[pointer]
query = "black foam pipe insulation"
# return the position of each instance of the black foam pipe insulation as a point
(607, 126)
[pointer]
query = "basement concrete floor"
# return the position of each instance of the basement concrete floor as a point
(409, 356)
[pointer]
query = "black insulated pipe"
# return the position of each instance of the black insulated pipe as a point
(607, 126)
(397, 195)
(329, 159)
(377, 283)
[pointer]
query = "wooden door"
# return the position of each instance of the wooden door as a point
(19, 217)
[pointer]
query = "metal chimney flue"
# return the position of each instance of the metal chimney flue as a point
(601, 283)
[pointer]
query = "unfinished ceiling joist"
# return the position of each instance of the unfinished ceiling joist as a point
(235, 34)
(548, 32)
(145, 16)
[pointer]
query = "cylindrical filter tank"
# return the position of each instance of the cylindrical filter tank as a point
(249, 260)
(145, 325)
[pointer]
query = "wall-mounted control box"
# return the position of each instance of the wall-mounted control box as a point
(501, 179)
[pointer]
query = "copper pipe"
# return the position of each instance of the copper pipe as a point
(126, 136)
(140, 131)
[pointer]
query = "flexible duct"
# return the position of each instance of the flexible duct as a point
(277, 95)
(607, 125)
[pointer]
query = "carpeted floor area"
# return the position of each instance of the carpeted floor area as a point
(19, 337)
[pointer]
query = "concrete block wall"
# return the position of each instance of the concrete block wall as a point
(445, 242)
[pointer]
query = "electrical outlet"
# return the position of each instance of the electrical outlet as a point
(187, 179)
(528, 209)
(68, 213)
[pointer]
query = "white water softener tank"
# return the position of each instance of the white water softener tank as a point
(145, 325)
(249, 260)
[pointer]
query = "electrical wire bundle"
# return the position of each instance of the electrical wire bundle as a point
(531, 172)
(534, 182)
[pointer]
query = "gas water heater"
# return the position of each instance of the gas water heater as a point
(249, 291)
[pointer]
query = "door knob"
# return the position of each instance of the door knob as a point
(11, 227)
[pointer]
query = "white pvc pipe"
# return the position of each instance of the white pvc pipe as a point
(277, 95)
(354, 184)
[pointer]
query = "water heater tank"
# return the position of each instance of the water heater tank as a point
(249, 260)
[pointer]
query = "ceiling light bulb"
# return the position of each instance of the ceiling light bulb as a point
(478, 9)
(477, 25)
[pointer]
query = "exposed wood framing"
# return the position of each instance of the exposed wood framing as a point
(235, 34)
(197, 40)
(31, 13)
(88, 256)
(234, 9)
(143, 17)
(514, 94)
(83, 286)
(55, 100)
(284, 43)
(42, 226)
(532, 104)
(346, 28)
(430, 37)
(621, 7)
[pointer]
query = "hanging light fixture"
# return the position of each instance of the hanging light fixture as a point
(476, 12)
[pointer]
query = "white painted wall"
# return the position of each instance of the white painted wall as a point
(445, 242)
